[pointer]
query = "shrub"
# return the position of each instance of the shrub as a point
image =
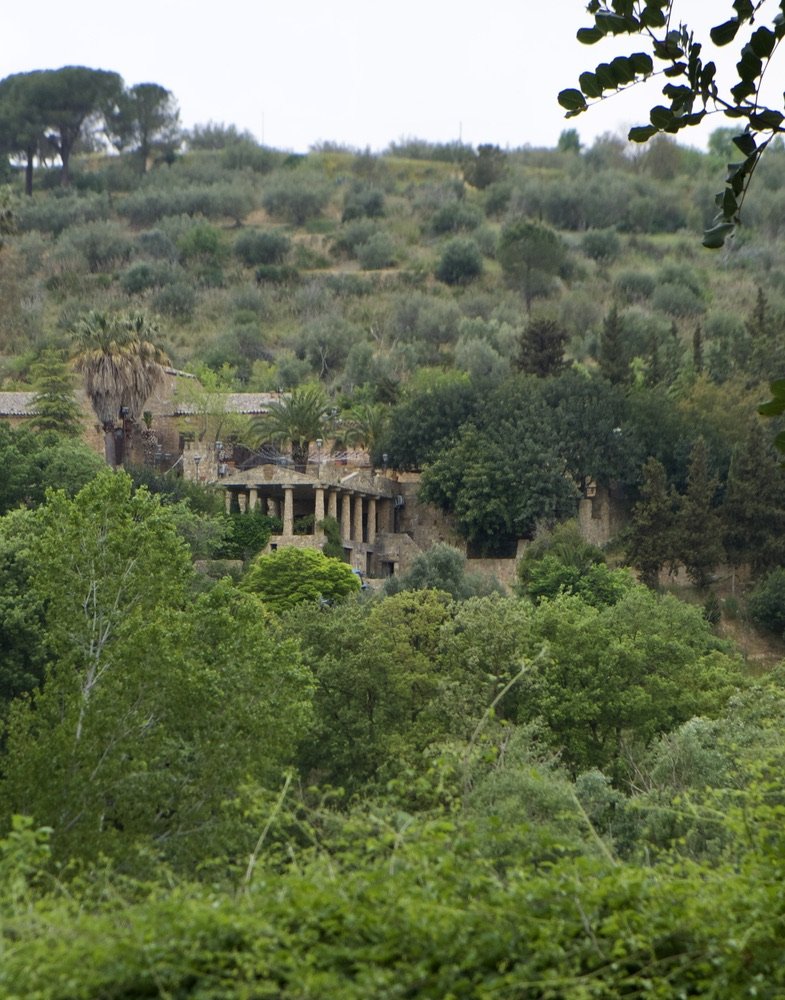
(635, 286)
(277, 274)
(247, 155)
(261, 247)
(296, 197)
(201, 243)
(54, 214)
(676, 300)
(177, 301)
(377, 252)
(145, 275)
(157, 244)
(353, 235)
(767, 602)
(101, 245)
(455, 216)
(363, 202)
(461, 262)
(602, 245)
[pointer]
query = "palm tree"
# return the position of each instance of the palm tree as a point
(121, 366)
(365, 426)
(298, 419)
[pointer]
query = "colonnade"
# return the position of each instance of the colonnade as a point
(361, 515)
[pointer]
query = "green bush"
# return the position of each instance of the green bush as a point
(177, 301)
(261, 247)
(247, 155)
(102, 245)
(143, 275)
(602, 245)
(635, 286)
(377, 252)
(460, 263)
(54, 214)
(363, 202)
(455, 216)
(157, 244)
(296, 197)
(767, 602)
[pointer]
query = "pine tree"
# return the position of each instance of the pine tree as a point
(651, 534)
(541, 348)
(54, 402)
(754, 510)
(698, 526)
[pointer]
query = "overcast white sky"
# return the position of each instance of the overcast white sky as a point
(295, 72)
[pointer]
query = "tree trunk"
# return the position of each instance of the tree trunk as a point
(110, 449)
(29, 171)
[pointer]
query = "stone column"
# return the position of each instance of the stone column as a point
(242, 500)
(318, 510)
(228, 501)
(332, 504)
(253, 498)
(346, 517)
(371, 520)
(358, 518)
(288, 510)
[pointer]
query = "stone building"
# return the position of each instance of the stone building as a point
(367, 507)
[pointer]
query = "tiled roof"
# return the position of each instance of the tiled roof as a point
(17, 404)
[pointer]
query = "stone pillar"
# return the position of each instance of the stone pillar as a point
(288, 510)
(346, 517)
(332, 504)
(318, 510)
(228, 501)
(253, 498)
(242, 500)
(358, 518)
(371, 520)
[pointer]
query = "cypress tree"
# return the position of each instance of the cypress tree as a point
(650, 542)
(612, 353)
(698, 524)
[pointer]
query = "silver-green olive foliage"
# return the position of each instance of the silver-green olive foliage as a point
(691, 88)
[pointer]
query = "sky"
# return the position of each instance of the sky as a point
(298, 72)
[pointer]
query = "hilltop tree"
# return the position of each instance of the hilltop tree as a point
(122, 366)
(290, 576)
(145, 118)
(530, 255)
(22, 121)
(70, 98)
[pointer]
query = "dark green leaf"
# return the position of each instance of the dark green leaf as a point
(742, 90)
(614, 24)
(715, 237)
(642, 63)
(677, 69)
(641, 133)
(744, 8)
(590, 85)
(572, 100)
(723, 34)
(606, 76)
(746, 143)
(623, 70)
(749, 67)
(661, 118)
(653, 17)
(588, 36)
(767, 119)
(763, 42)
